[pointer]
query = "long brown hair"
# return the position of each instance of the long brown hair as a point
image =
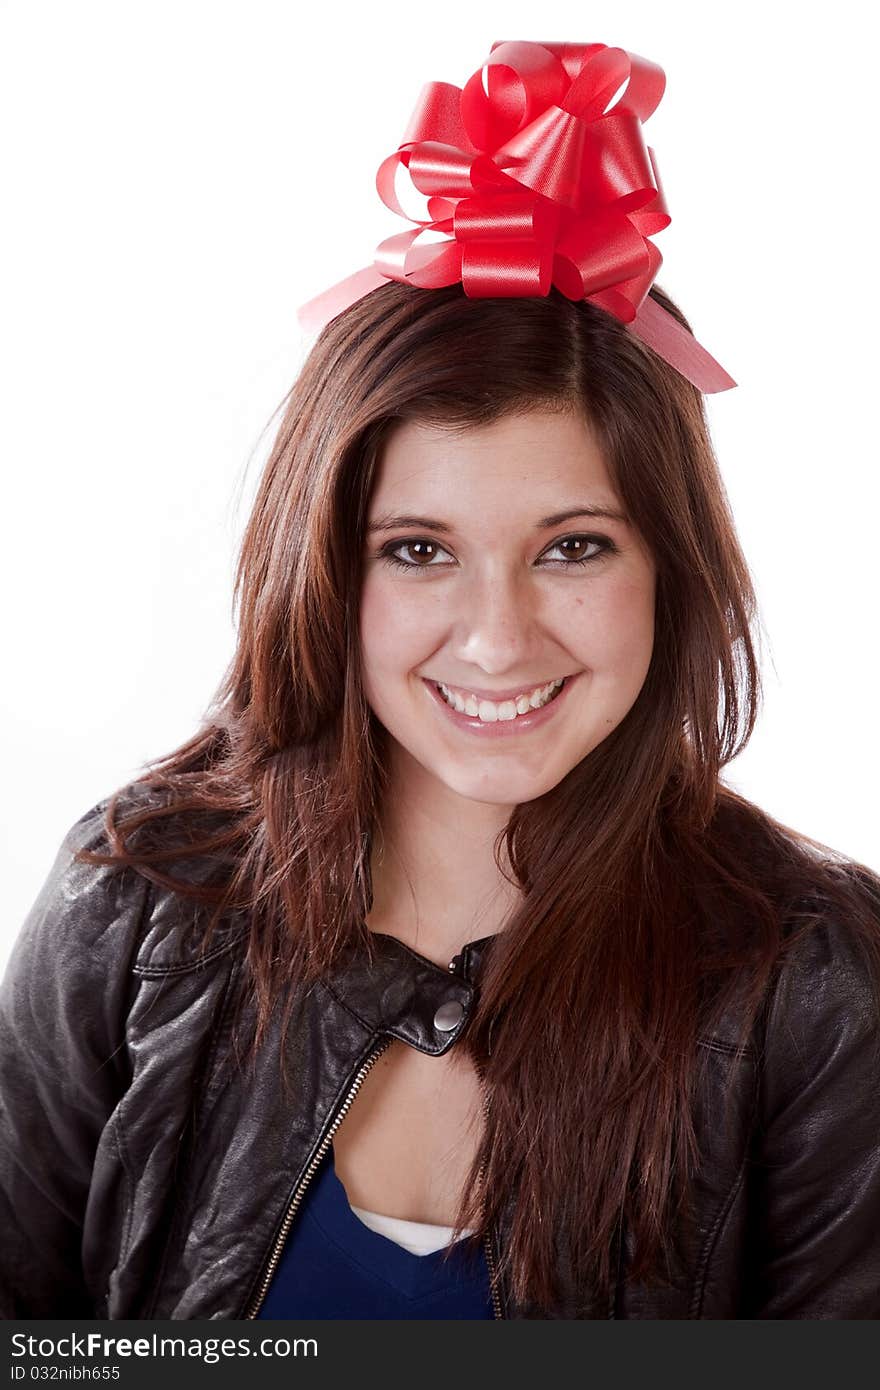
(652, 894)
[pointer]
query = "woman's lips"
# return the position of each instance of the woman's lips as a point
(501, 728)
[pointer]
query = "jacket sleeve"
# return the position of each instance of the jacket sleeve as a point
(816, 1176)
(63, 1067)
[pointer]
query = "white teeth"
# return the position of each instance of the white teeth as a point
(490, 712)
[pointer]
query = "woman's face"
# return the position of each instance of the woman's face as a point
(505, 584)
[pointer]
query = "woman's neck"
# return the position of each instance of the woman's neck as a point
(436, 885)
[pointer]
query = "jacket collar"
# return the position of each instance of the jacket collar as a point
(390, 988)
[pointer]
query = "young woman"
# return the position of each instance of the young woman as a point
(440, 974)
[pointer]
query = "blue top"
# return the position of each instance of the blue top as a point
(333, 1266)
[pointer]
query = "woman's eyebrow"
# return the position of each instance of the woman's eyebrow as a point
(391, 521)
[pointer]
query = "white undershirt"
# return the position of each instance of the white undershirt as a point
(418, 1237)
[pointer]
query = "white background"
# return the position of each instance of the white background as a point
(179, 177)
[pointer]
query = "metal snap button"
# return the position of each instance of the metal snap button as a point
(448, 1016)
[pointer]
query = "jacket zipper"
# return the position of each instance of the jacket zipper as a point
(496, 1297)
(490, 1254)
(296, 1199)
(487, 1241)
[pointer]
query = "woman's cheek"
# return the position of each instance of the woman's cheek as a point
(621, 631)
(398, 625)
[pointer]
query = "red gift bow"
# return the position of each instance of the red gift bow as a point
(536, 184)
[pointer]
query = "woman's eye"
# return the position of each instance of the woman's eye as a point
(424, 551)
(576, 556)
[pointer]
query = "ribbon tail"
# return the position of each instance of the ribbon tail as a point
(314, 315)
(677, 346)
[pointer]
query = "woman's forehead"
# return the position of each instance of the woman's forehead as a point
(531, 460)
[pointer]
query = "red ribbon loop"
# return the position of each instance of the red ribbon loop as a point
(538, 174)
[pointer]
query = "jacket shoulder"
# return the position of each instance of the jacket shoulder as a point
(106, 920)
(84, 914)
(825, 937)
(827, 981)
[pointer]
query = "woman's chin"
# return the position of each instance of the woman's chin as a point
(500, 790)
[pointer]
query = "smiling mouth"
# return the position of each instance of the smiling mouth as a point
(491, 712)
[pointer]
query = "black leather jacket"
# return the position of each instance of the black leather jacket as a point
(144, 1176)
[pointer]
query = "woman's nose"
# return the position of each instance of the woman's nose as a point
(496, 623)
